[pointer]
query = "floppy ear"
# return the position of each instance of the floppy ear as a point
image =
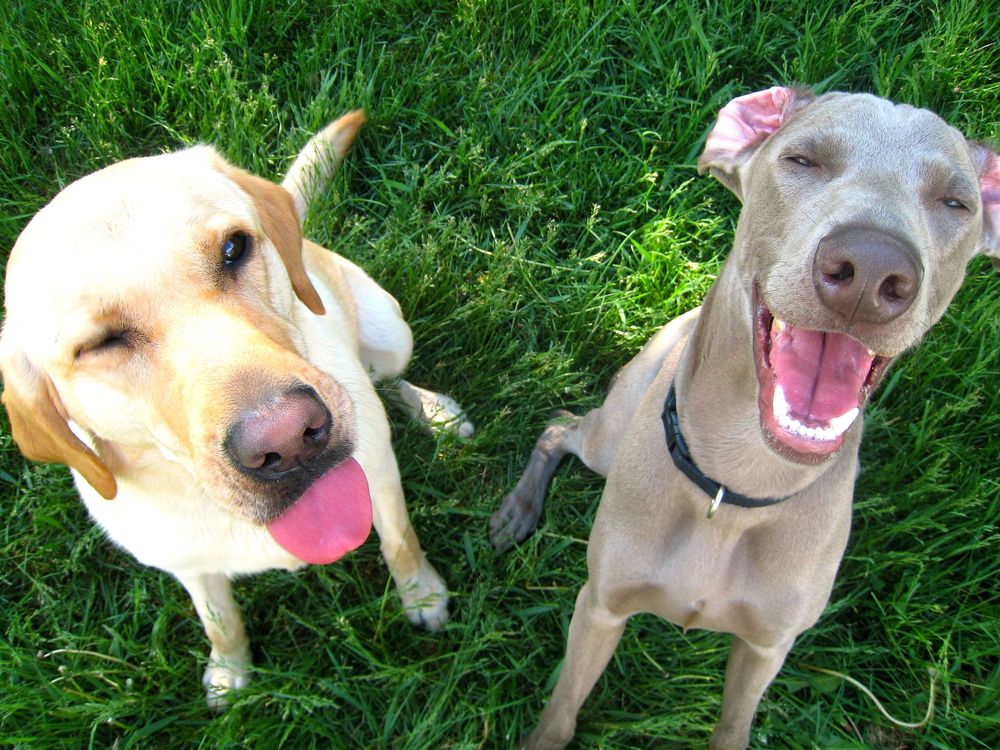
(988, 167)
(276, 210)
(744, 124)
(39, 425)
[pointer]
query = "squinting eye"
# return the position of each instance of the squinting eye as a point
(114, 339)
(802, 161)
(110, 341)
(235, 247)
(954, 203)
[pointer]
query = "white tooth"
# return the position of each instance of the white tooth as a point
(780, 406)
(777, 326)
(840, 424)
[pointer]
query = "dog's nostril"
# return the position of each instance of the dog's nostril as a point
(845, 273)
(314, 434)
(888, 291)
(837, 271)
(270, 461)
(898, 289)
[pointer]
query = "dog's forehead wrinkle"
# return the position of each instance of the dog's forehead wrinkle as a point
(877, 129)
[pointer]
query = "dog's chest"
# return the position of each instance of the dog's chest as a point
(717, 573)
(184, 532)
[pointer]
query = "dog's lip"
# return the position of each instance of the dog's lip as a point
(799, 438)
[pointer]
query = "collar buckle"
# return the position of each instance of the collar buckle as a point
(681, 456)
(716, 502)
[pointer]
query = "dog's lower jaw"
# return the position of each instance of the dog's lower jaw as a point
(832, 373)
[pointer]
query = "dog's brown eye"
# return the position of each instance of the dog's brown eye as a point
(235, 248)
(954, 203)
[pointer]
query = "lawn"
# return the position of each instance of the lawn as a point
(526, 188)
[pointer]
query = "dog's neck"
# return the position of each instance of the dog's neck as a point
(716, 380)
(681, 457)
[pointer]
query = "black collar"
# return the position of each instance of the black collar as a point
(682, 460)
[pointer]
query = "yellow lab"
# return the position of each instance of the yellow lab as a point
(208, 377)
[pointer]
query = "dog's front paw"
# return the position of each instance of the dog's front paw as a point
(436, 411)
(535, 741)
(445, 413)
(223, 675)
(516, 519)
(425, 599)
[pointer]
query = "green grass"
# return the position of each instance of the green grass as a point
(526, 188)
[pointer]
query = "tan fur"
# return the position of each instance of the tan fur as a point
(128, 352)
(38, 423)
(281, 224)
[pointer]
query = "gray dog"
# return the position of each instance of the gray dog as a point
(730, 442)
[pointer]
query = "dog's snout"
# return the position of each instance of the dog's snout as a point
(864, 275)
(280, 434)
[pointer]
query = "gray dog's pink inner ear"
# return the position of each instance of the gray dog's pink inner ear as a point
(821, 374)
(333, 517)
(989, 187)
(749, 119)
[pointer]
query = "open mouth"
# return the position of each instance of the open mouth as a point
(813, 384)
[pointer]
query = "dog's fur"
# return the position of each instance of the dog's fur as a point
(130, 349)
(858, 220)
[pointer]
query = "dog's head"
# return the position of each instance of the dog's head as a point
(151, 312)
(859, 218)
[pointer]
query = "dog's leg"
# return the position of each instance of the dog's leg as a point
(749, 671)
(435, 411)
(229, 663)
(594, 634)
(593, 438)
(386, 343)
(423, 592)
(518, 515)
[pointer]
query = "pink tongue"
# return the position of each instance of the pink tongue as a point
(333, 517)
(820, 373)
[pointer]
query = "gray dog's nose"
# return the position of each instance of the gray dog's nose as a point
(279, 435)
(865, 275)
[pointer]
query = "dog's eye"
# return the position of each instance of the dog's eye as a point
(235, 248)
(954, 203)
(107, 342)
(802, 161)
